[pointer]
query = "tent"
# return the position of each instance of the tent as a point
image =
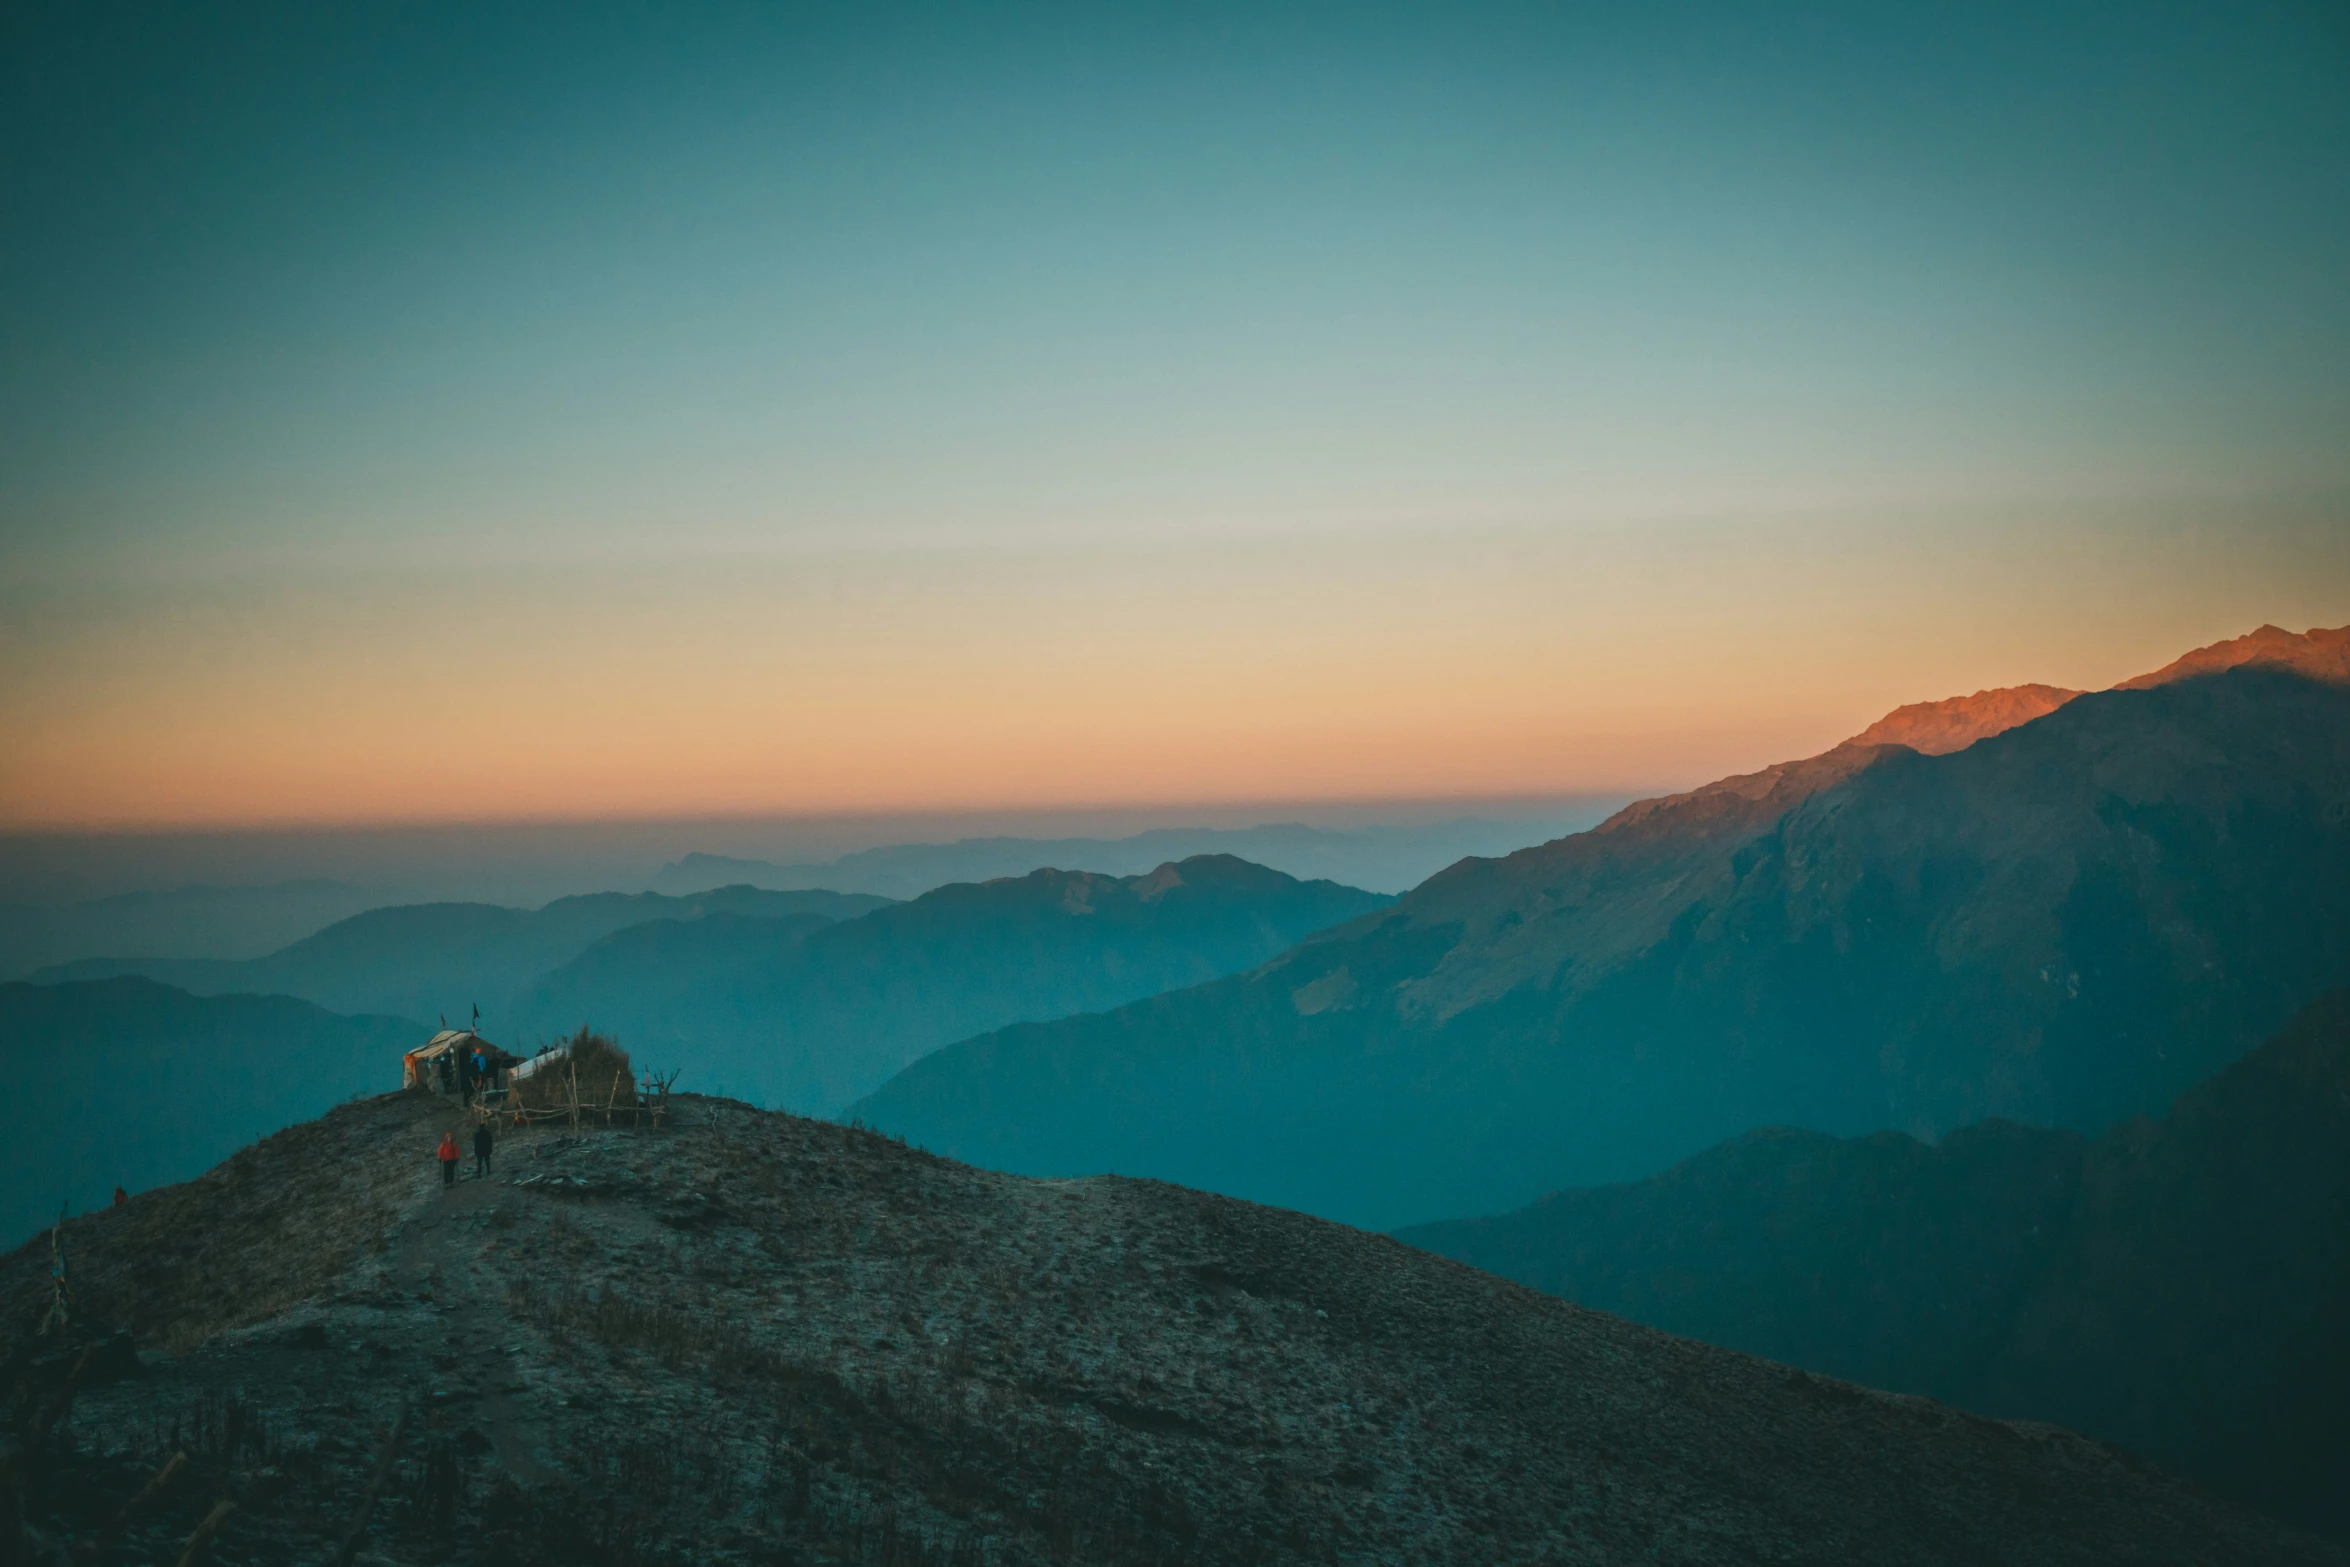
(444, 1063)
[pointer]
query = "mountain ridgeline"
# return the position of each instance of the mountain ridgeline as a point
(1383, 858)
(426, 960)
(2177, 1287)
(2065, 922)
(811, 1014)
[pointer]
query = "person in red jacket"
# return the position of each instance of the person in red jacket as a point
(449, 1158)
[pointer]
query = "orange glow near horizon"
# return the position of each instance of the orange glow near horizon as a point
(1504, 665)
(961, 409)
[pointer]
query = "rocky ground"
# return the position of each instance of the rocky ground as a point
(750, 1337)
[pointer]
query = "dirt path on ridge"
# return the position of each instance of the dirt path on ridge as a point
(440, 1256)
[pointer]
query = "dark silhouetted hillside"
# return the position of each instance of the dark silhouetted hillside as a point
(127, 1082)
(1879, 1259)
(811, 1016)
(2179, 1287)
(2065, 923)
(753, 1338)
(428, 960)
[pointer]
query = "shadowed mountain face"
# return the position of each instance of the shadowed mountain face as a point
(2176, 1287)
(127, 1082)
(429, 960)
(2065, 923)
(811, 1015)
(751, 1338)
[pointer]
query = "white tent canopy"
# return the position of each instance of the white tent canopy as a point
(420, 1067)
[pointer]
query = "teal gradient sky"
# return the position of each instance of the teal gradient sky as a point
(777, 408)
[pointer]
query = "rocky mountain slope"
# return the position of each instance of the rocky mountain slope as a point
(124, 1082)
(2176, 1286)
(2316, 654)
(428, 960)
(812, 1015)
(748, 1337)
(2064, 923)
(1953, 724)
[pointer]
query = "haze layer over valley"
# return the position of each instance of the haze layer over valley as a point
(815, 1017)
(136, 898)
(807, 999)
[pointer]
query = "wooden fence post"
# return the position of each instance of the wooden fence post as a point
(194, 1549)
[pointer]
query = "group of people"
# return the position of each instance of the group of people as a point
(484, 1140)
(465, 1075)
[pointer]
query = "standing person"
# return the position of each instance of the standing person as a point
(448, 1153)
(483, 1142)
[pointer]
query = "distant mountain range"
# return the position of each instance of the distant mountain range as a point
(806, 999)
(124, 1082)
(429, 960)
(810, 1014)
(1380, 858)
(2065, 922)
(194, 921)
(2177, 1287)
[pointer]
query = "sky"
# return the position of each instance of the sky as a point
(474, 413)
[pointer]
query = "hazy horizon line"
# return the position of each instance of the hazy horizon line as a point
(1513, 800)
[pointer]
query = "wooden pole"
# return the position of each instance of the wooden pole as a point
(53, 1411)
(383, 1471)
(190, 1552)
(95, 1548)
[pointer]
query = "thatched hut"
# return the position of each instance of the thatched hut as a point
(587, 1065)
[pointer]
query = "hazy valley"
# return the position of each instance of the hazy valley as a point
(812, 1016)
(806, 999)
